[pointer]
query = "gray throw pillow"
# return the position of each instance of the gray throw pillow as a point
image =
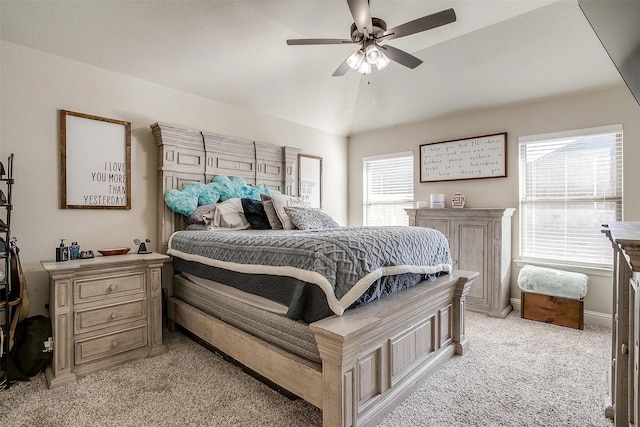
(270, 210)
(197, 216)
(310, 219)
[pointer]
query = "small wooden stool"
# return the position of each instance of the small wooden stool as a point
(552, 296)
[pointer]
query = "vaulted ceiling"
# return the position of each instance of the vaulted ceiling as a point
(498, 52)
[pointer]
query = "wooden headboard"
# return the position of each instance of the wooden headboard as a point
(186, 156)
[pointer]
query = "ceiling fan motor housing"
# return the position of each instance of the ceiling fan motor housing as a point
(379, 27)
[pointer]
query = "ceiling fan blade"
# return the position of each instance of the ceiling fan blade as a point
(421, 24)
(342, 69)
(361, 15)
(293, 42)
(401, 57)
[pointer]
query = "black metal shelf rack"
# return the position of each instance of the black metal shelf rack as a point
(9, 298)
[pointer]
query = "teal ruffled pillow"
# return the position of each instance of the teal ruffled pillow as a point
(181, 202)
(221, 188)
(208, 196)
(224, 187)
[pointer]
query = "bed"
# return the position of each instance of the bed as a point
(365, 359)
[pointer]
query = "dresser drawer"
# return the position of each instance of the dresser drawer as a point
(108, 316)
(112, 285)
(108, 345)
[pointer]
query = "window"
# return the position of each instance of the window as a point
(388, 189)
(570, 184)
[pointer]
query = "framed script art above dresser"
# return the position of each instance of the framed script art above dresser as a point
(480, 240)
(470, 158)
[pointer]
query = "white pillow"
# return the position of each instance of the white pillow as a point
(228, 214)
(280, 201)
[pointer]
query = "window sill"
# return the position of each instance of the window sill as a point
(591, 271)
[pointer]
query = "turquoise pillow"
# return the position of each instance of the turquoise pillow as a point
(181, 201)
(221, 188)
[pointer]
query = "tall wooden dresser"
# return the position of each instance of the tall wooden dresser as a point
(104, 311)
(480, 240)
(623, 401)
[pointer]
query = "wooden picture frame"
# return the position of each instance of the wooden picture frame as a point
(310, 180)
(469, 158)
(95, 157)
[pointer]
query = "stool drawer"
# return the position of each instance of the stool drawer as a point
(551, 309)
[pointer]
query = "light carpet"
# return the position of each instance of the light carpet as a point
(516, 373)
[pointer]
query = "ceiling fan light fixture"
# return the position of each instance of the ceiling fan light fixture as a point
(383, 61)
(367, 31)
(365, 68)
(372, 54)
(356, 59)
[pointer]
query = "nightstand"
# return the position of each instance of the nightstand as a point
(105, 311)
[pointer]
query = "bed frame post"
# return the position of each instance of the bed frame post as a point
(338, 393)
(339, 350)
(459, 299)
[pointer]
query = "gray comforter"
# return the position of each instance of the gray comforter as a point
(344, 262)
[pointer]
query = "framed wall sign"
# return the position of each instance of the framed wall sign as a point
(96, 162)
(470, 158)
(310, 180)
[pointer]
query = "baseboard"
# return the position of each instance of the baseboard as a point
(590, 317)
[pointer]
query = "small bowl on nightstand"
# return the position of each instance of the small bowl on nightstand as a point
(114, 251)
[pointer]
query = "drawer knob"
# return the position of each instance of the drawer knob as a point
(114, 344)
(114, 315)
(112, 287)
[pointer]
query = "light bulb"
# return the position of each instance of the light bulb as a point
(383, 61)
(373, 54)
(365, 68)
(355, 59)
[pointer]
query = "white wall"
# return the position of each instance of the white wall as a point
(604, 107)
(36, 85)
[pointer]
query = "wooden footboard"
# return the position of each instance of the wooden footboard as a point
(372, 356)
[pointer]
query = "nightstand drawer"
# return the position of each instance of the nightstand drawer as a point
(91, 289)
(112, 315)
(108, 345)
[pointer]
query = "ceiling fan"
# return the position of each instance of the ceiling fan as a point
(369, 32)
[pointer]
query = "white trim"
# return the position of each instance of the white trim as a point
(571, 133)
(387, 156)
(584, 269)
(595, 318)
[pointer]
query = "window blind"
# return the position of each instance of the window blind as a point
(388, 189)
(570, 184)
